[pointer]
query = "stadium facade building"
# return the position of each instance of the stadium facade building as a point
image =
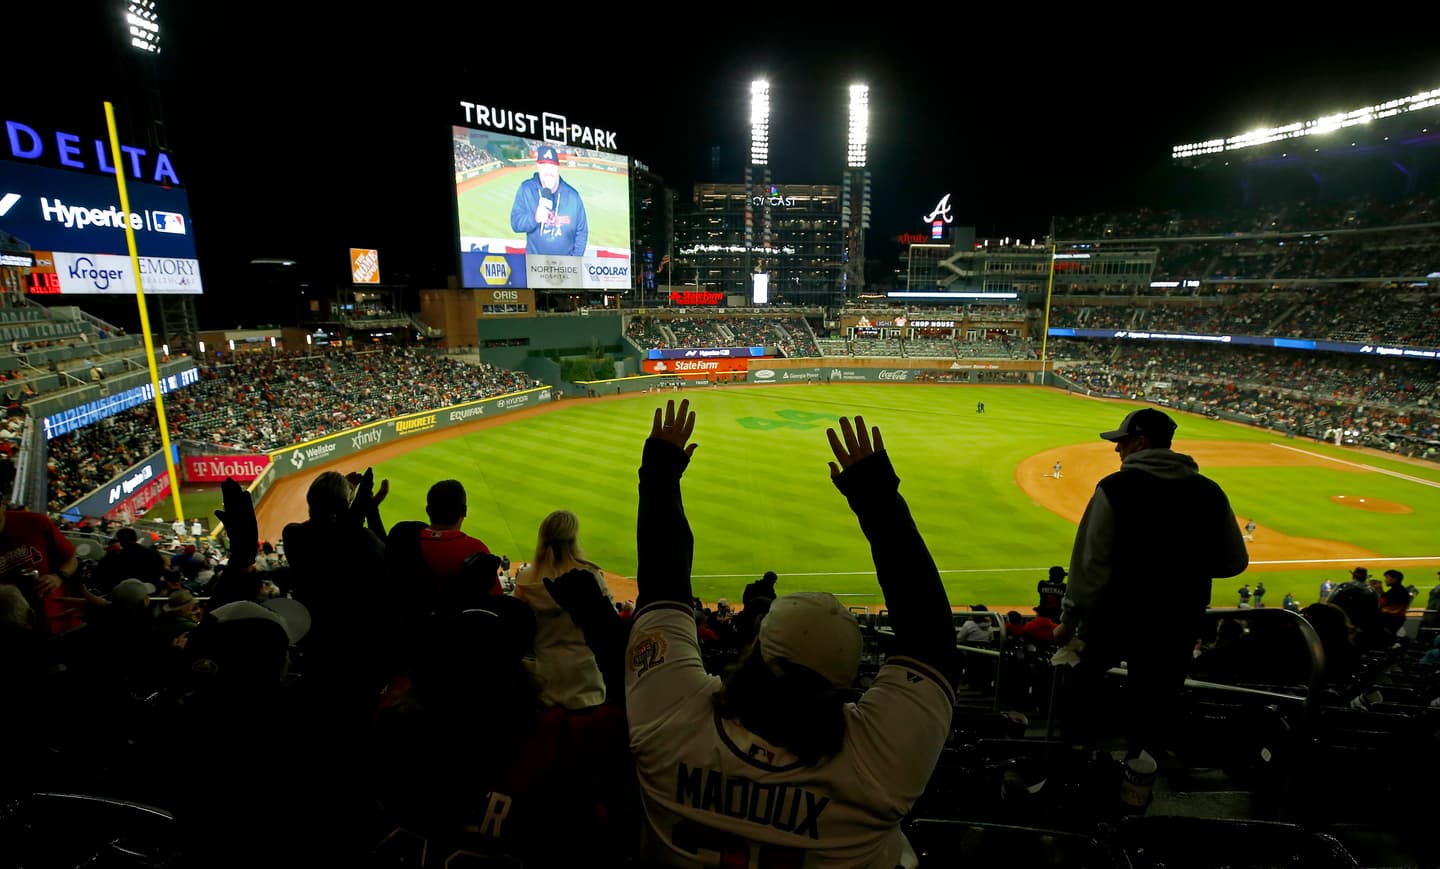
(792, 233)
(652, 231)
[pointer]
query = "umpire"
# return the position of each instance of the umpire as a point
(1153, 536)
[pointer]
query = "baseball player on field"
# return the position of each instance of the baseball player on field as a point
(773, 767)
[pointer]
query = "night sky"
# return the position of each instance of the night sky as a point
(300, 137)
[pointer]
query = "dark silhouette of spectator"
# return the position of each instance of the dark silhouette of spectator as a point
(1153, 536)
(129, 560)
(779, 723)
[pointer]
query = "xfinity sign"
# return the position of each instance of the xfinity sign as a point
(546, 125)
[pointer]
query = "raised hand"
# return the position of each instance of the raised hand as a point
(238, 515)
(858, 444)
(675, 427)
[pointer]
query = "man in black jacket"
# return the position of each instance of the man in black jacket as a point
(1153, 537)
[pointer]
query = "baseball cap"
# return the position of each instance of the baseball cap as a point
(546, 154)
(288, 614)
(1144, 421)
(132, 592)
(179, 598)
(812, 629)
(1059, 571)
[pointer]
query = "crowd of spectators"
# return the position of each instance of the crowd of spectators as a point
(1389, 404)
(467, 156)
(791, 335)
(263, 402)
(1294, 216)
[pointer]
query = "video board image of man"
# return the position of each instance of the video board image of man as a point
(549, 211)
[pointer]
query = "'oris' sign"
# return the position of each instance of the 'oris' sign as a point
(214, 469)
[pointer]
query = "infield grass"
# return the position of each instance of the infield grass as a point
(759, 497)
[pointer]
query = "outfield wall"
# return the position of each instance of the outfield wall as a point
(299, 457)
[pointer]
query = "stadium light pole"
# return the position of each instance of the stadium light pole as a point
(759, 122)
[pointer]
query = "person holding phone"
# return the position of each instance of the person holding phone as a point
(549, 211)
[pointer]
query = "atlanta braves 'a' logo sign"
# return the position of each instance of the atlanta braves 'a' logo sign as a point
(942, 210)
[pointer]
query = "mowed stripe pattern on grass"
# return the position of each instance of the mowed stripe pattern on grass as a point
(759, 497)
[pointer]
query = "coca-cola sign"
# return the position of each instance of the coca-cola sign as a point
(214, 469)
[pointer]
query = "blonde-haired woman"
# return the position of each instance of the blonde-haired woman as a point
(564, 667)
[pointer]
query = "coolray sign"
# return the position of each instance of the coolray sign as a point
(366, 439)
(419, 424)
(318, 452)
(214, 469)
(546, 125)
(605, 272)
(27, 143)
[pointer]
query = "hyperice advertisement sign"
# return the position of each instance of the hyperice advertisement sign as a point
(71, 225)
(542, 203)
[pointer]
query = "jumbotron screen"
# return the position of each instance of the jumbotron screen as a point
(540, 215)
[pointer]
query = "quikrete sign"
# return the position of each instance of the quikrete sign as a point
(692, 297)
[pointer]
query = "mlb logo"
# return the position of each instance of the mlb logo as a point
(168, 222)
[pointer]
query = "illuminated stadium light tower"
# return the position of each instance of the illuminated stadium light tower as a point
(1314, 127)
(143, 24)
(855, 192)
(757, 171)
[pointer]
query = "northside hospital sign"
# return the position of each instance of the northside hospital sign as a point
(70, 225)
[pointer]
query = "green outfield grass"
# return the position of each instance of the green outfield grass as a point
(485, 208)
(759, 497)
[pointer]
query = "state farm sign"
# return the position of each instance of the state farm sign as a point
(214, 469)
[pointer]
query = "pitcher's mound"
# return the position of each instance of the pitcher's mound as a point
(1374, 505)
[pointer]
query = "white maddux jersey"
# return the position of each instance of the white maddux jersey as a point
(716, 794)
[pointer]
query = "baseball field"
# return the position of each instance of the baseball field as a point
(981, 487)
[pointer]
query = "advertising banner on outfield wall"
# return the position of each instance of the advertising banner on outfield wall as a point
(293, 460)
(214, 469)
(889, 375)
(128, 494)
(691, 366)
(785, 375)
(707, 353)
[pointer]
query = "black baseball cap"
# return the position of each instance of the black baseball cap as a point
(1145, 421)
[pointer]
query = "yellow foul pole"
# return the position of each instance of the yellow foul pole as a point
(1049, 291)
(144, 315)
